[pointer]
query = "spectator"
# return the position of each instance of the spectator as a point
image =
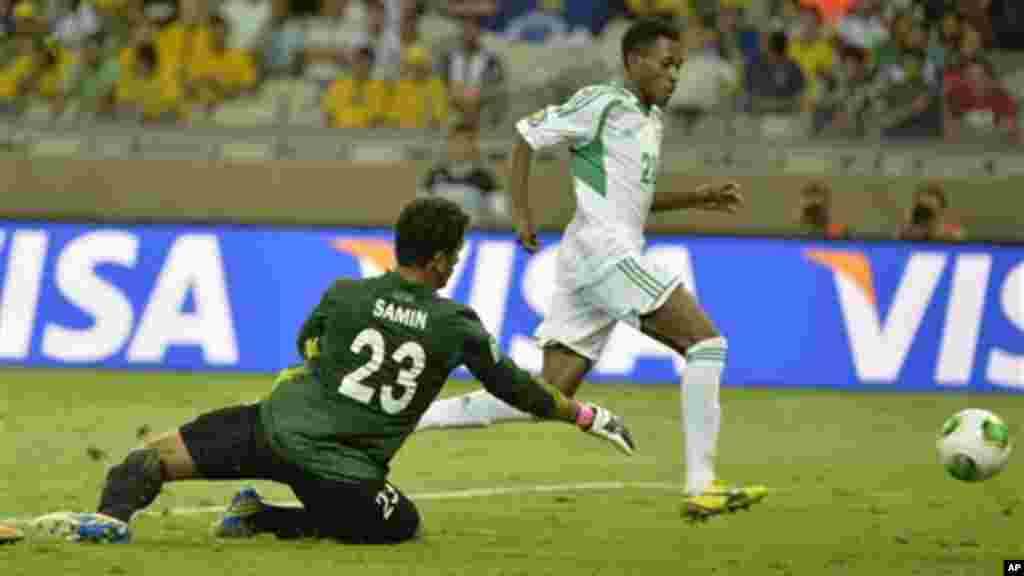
(358, 100)
(737, 41)
(927, 220)
(843, 112)
(814, 215)
(217, 72)
(144, 32)
(463, 178)
(6, 19)
(921, 39)
(890, 52)
(863, 27)
(94, 80)
(909, 107)
(832, 11)
(776, 83)
(979, 101)
(907, 36)
(475, 78)
(170, 37)
(284, 40)
(420, 99)
(950, 33)
(705, 79)
(384, 33)
(249, 22)
(147, 98)
(17, 77)
(787, 18)
(339, 25)
(813, 52)
(971, 46)
(976, 13)
(80, 22)
(51, 76)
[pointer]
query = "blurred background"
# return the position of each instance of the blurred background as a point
(871, 109)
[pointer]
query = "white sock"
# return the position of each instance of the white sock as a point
(702, 413)
(478, 408)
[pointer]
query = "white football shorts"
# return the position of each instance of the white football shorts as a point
(582, 318)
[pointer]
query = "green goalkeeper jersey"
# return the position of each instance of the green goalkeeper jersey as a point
(378, 352)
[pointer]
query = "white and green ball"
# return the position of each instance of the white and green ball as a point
(974, 445)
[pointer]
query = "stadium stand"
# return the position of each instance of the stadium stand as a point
(860, 69)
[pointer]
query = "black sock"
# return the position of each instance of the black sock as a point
(132, 485)
(286, 522)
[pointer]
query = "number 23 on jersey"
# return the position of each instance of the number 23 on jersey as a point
(352, 384)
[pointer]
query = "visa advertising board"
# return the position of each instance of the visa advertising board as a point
(847, 315)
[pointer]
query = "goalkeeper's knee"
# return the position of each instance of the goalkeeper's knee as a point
(133, 484)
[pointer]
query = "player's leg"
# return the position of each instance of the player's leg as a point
(676, 319)
(571, 338)
(130, 486)
(358, 512)
(682, 325)
(221, 445)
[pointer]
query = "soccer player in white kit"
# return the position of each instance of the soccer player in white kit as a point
(602, 275)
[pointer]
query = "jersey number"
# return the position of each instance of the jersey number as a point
(648, 167)
(352, 384)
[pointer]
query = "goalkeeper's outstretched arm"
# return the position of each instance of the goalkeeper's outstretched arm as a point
(511, 384)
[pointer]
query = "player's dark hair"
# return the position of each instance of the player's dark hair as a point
(644, 33)
(427, 226)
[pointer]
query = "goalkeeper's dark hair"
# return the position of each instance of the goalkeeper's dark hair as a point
(644, 33)
(427, 226)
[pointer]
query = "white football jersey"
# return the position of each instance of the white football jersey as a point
(615, 142)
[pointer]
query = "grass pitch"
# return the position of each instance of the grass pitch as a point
(857, 488)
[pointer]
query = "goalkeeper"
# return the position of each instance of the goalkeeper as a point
(377, 353)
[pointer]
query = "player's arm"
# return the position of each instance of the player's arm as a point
(519, 182)
(725, 198)
(576, 121)
(313, 326)
(505, 380)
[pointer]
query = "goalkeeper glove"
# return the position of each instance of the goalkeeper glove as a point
(598, 421)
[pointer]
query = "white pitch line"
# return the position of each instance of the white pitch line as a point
(466, 494)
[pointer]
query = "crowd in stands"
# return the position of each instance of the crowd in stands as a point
(127, 59)
(898, 69)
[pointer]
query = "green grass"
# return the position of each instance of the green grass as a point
(858, 488)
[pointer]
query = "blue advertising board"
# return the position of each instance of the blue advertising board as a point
(856, 316)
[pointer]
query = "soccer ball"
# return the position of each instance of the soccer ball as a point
(974, 445)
